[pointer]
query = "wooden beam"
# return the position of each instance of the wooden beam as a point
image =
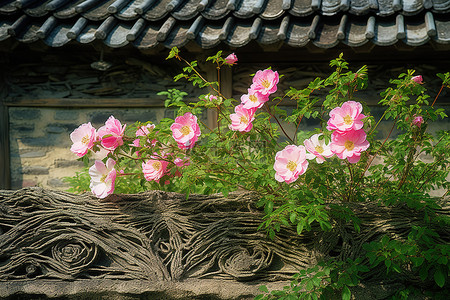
(5, 174)
(94, 102)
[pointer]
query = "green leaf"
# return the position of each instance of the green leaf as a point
(263, 288)
(439, 277)
(299, 228)
(346, 294)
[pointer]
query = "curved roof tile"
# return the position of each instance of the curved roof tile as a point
(208, 23)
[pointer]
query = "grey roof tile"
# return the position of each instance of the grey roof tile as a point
(443, 29)
(37, 9)
(58, 36)
(99, 11)
(157, 11)
(385, 32)
(210, 35)
(189, 9)
(298, 32)
(416, 33)
(356, 32)
(128, 11)
(4, 26)
(441, 5)
(248, 8)
(385, 7)
(8, 7)
(301, 8)
(118, 35)
(330, 7)
(177, 36)
(362, 7)
(87, 35)
(326, 33)
(147, 39)
(412, 7)
(68, 10)
(273, 10)
(239, 34)
(269, 33)
(208, 23)
(217, 9)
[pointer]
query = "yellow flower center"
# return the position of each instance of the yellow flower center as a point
(253, 98)
(244, 120)
(85, 139)
(185, 130)
(348, 120)
(319, 149)
(103, 179)
(349, 145)
(157, 165)
(265, 83)
(291, 166)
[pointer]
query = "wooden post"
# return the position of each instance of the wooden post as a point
(226, 88)
(5, 174)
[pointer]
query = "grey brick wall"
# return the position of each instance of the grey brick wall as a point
(40, 143)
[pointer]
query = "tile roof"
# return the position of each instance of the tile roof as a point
(148, 23)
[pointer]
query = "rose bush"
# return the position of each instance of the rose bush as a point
(302, 178)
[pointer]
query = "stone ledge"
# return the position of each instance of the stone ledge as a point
(133, 289)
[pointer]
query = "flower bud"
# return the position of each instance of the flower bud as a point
(418, 121)
(417, 79)
(231, 59)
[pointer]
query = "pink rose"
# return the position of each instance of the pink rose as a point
(103, 178)
(347, 117)
(290, 163)
(83, 139)
(181, 162)
(154, 169)
(417, 79)
(185, 130)
(242, 119)
(265, 82)
(349, 144)
(212, 98)
(231, 59)
(254, 99)
(418, 121)
(143, 131)
(317, 148)
(111, 134)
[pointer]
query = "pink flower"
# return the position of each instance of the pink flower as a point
(417, 79)
(154, 169)
(212, 98)
(103, 178)
(290, 163)
(347, 117)
(181, 162)
(231, 59)
(254, 99)
(418, 121)
(265, 82)
(317, 148)
(83, 139)
(143, 131)
(111, 134)
(349, 144)
(242, 119)
(185, 130)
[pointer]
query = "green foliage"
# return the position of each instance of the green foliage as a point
(224, 160)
